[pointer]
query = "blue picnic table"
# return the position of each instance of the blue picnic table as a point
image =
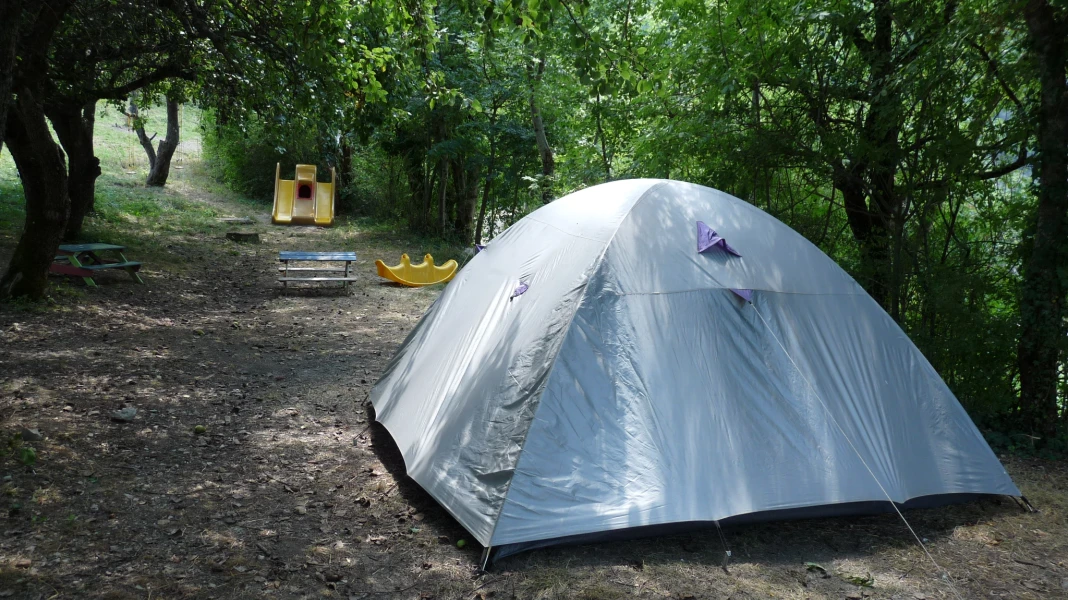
(286, 257)
(83, 260)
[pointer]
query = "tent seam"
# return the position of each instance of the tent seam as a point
(708, 289)
(565, 232)
(596, 267)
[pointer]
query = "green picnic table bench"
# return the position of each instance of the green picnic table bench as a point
(287, 257)
(83, 260)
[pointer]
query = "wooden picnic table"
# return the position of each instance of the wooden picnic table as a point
(83, 260)
(317, 257)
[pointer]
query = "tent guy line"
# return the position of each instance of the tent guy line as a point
(946, 573)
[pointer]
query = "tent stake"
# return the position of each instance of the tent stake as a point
(1027, 503)
(485, 558)
(726, 549)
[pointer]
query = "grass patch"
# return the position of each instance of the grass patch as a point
(12, 205)
(60, 295)
(146, 211)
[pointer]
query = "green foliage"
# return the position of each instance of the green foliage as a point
(244, 154)
(857, 580)
(17, 449)
(1026, 444)
(27, 456)
(374, 185)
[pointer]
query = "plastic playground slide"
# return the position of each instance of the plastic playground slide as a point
(424, 273)
(303, 200)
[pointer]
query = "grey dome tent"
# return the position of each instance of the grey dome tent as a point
(645, 354)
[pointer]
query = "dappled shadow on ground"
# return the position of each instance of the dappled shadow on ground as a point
(293, 492)
(278, 496)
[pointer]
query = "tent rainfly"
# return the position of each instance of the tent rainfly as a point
(645, 355)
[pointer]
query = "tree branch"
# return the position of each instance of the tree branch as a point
(37, 41)
(1022, 160)
(993, 66)
(122, 91)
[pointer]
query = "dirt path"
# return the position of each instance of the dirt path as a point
(292, 493)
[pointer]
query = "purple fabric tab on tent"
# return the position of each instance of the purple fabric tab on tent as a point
(746, 295)
(479, 248)
(707, 238)
(519, 291)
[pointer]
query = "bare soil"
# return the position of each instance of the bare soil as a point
(293, 492)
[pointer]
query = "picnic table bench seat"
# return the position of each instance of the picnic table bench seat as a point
(326, 269)
(285, 279)
(136, 266)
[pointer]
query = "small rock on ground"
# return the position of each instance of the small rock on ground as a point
(124, 415)
(31, 435)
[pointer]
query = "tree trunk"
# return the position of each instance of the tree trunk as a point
(416, 176)
(867, 229)
(869, 193)
(9, 35)
(488, 185)
(465, 204)
(390, 185)
(89, 123)
(160, 165)
(483, 207)
(457, 198)
(548, 164)
(344, 167)
(74, 126)
(443, 188)
(600, 137)
(759, 174)
(44, 182)
(139, 127)
(457, 184)
(428, 177)
(480, 226)
(1042, 308)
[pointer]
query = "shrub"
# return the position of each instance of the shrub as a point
(243, 155)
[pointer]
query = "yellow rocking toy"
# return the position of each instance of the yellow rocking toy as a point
(424, 273)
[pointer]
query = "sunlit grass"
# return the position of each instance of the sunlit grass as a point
(156, 223)
(11, 202)
(121, 197)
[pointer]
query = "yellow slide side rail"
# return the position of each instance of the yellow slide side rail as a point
(282, 212)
